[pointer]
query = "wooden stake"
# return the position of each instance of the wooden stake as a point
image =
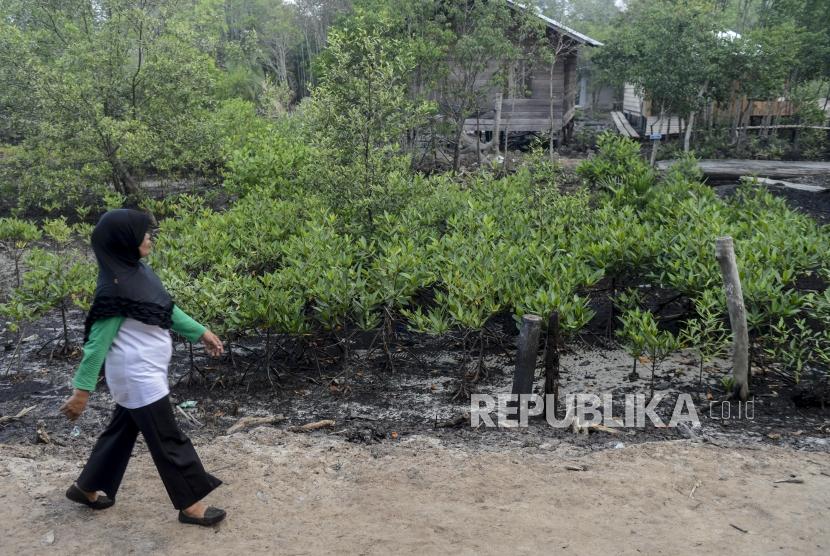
(725, 254)
(526, 355)
(552, 364)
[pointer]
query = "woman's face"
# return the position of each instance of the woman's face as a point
(146, 245)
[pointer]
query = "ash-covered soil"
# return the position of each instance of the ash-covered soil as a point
(371, 402)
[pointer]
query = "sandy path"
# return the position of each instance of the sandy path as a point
(294, 494)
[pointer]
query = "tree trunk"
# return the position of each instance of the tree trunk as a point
(65, 327)
(479, 146)
(456, 152)
(16, 254)
(737, 109)
(123, 181)
(779, 107)
(725, 255)
(511, 93)
(690, 122)
(655, 144)
(748, 113)
(550, 98)
(282, 67)
(710, 115)
(690, 119)
(478, 139)
(497, 124)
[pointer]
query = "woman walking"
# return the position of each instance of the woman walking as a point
(128, 327)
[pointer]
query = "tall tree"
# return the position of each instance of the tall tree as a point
(115, 88)
(478, 44)
(811, 21)
(668, 49)
(360, 111)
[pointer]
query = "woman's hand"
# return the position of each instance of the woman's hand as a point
(75, 405)
(213, 344)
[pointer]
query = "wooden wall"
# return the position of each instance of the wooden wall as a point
(632, 102)
(530, 109)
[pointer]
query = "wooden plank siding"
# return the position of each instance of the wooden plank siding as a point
(522, 124)
(667, 125)
(541, 99)
(530, 113)
(632, 102)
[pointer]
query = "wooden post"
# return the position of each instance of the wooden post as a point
(511, 93)
(655, 143)
(725, 254)
(526, 356)
(497, 124)
(552, 365)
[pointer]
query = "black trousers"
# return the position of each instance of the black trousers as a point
(181, 471)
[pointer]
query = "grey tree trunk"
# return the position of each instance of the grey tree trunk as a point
(687, 138)
(550, 111)
(456, 152)
(511, 94)
(655, 144)
(725, 254)
(497, 124)
(690, 120)
(742, 132)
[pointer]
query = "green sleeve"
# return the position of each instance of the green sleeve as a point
(183, 324)
(101, 335)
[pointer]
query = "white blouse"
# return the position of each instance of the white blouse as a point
(136, 364)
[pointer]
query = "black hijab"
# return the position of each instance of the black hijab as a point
(126, 286)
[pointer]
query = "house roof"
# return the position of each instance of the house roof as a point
(558, 27)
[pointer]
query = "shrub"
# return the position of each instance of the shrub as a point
(16, 235)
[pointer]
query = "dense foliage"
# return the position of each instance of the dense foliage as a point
(292, 262)
(111, 94)
(295, 262)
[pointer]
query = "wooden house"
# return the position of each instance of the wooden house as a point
(645, 118)
(639, 113)
(535, 98)
(640, 116)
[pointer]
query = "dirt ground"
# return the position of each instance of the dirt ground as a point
(288, 493)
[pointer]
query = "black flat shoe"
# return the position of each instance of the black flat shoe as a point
(77, 495)
(212, 517)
